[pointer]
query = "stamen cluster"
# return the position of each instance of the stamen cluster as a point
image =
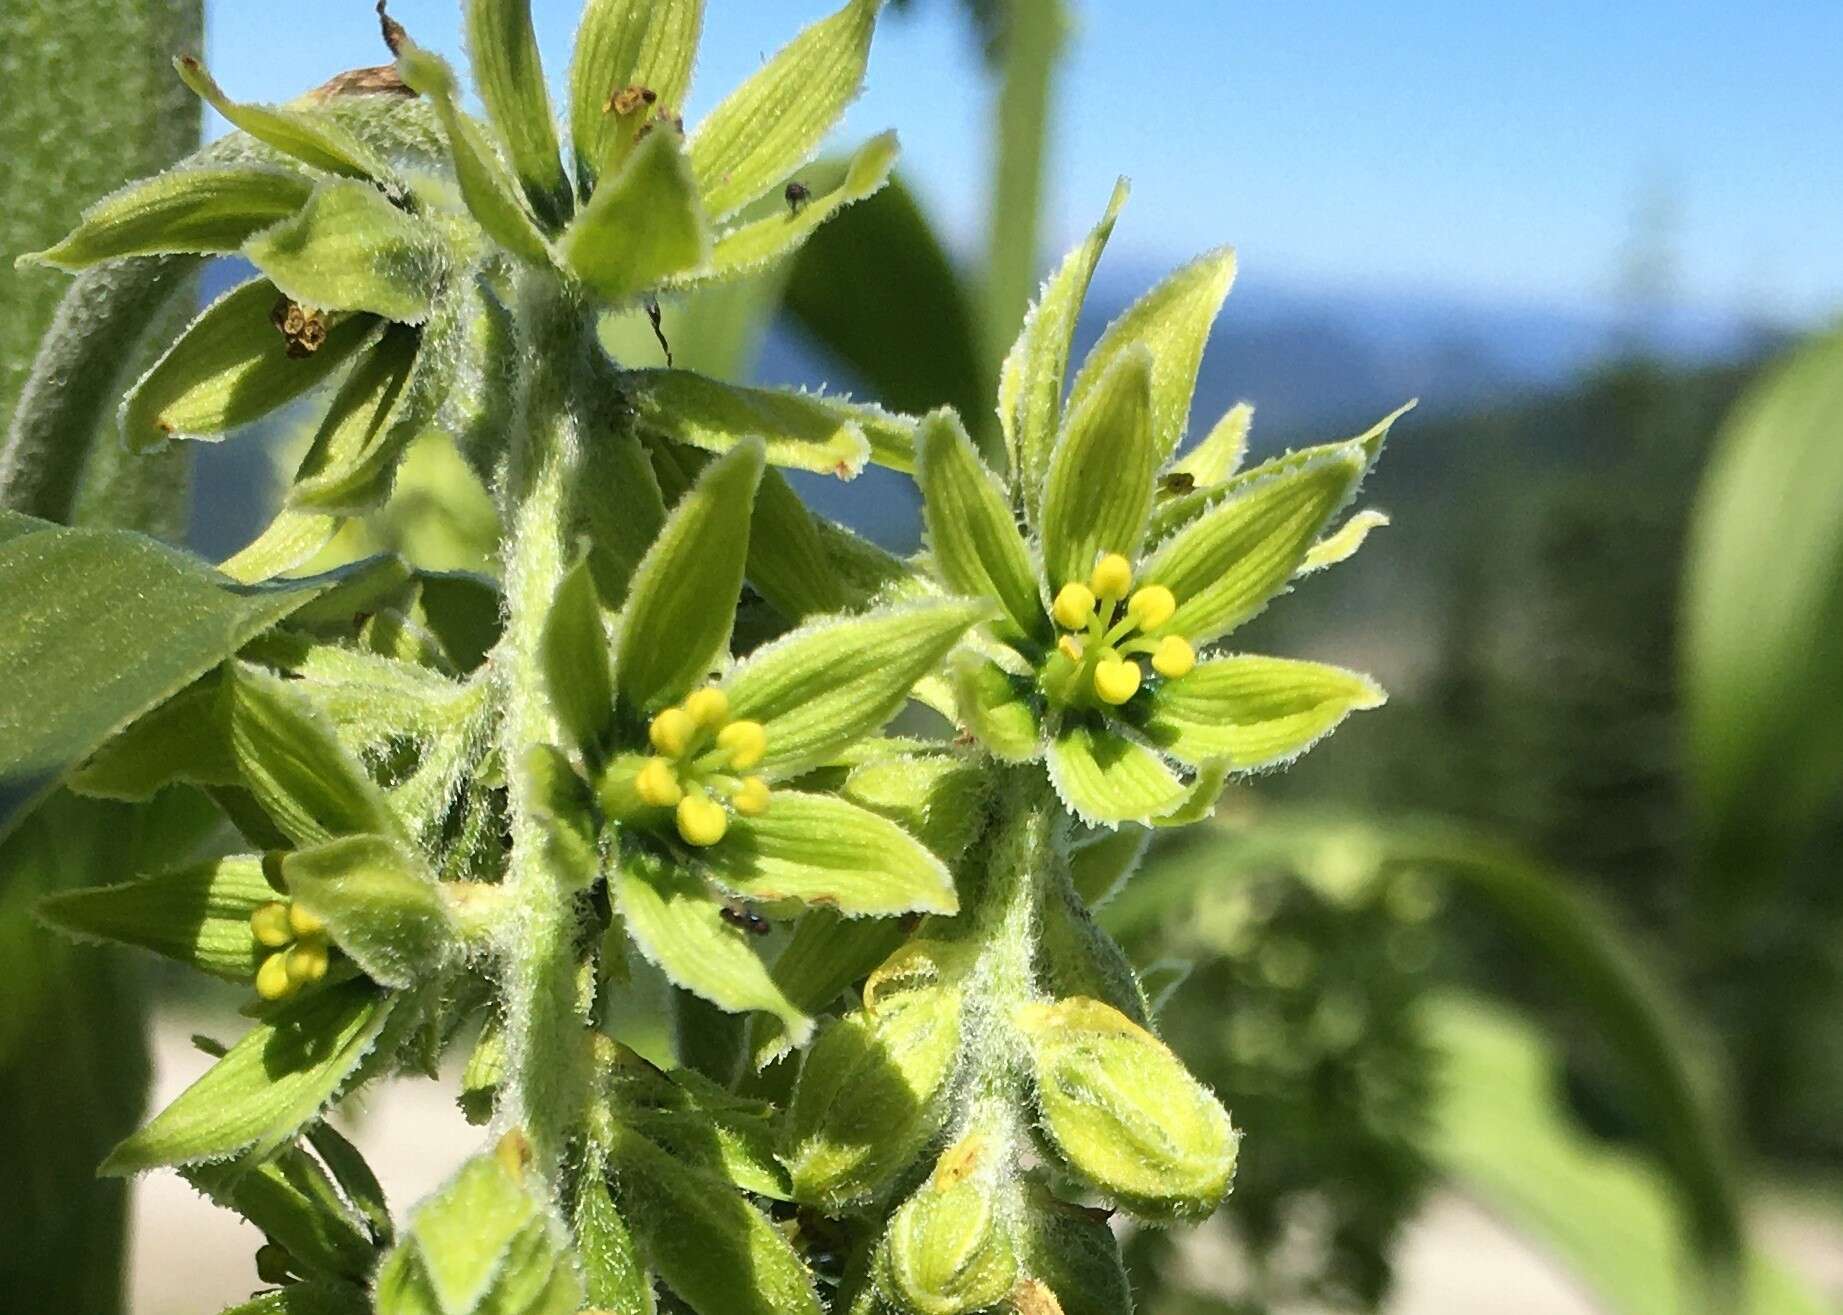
(1103, 641)
(299, 949)
(698, 751)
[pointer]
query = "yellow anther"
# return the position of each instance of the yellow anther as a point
(303, 923)
(306, 962)
(1151, 606)
(272, 982)
(657, 784)
(1116, 681)
(1112, 578)
(671, 731)
(708, 707)
(752, 799)
(1071, 647)
(745, 742)
(701, 820)
(1173, 657)
(1073, 606)
(269, 925)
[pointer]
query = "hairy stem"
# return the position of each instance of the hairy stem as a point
(547, 1041)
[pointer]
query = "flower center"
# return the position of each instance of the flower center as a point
(699, 751)
(298, 945)
(1110, 627)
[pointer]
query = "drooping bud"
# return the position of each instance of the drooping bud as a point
(272, 982)
(947, 1250)
(1125, 1113)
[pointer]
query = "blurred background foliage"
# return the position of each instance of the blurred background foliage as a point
(1562, 930)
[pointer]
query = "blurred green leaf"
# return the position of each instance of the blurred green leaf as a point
(1762, 644)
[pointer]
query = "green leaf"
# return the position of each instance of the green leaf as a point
(702, 1124)
(771, 124)
(751, 245)
(620, 500)
(1030, 384)
(295, 1204)
(716, 1252)
(184, 739)
(574, 656)
(381, 904)
(677, 622)
(1075, 1254)
(614, 1278)
(801, 431)
(914, 362)
(355, 1178)
(561, 806)
(188, 211)
(490, 193)
(936, 797)
(680, 929)
(199, 916)
(1099, 486)
(1099, 869)
(312, 138)
(1200, 797)
(350, 249)
(1172, 321)
(279, 1076)
(817, 849)
(306, 1299)
(972, 534)
(1253, 711)
(354, 452)
(510, 78)
(102, 626)
(827, 953)
(292, 762)
(230, 367)
(620, 44)
(642, 225)
(291, 539)
(1220, 453)
(1225, 565)
(788, 562)
(998, 708)
(1763, 629)
(1342, 544)
(833, 682)
(1106, 780)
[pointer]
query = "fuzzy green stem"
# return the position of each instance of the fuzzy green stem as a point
(546, 1034)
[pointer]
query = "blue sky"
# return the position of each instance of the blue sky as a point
(1492, 151)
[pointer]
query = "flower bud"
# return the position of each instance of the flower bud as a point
(657, 784)
(303, 923)
(870, 1094)
(701, 820)
(751, 800)
(307, 962)
(947, 1250)
(1124, 1112)
(272, 977)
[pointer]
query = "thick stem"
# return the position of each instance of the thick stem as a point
(546, 1033)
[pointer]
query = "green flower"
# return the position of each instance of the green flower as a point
(706, 770)
(1118, 566)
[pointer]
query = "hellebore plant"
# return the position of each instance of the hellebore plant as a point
(657, 744)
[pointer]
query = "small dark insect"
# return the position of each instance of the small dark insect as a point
(654, 318)
(1179, 481)
(797, 194)
(303, 329)
(625, 100)
(753, 923)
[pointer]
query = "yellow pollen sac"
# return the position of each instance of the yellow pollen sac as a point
(708, 707)
(1071, 647)
(272, 981)
(1173, 657)
(745, 742)
(306, 962)
(269, 925)
(1112, 578)
(1073, 606)
(1116, 681)
(701, 820)
(657, 784)
(1151, 607)
(302, 922)
(671, 731)
(752, 799)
